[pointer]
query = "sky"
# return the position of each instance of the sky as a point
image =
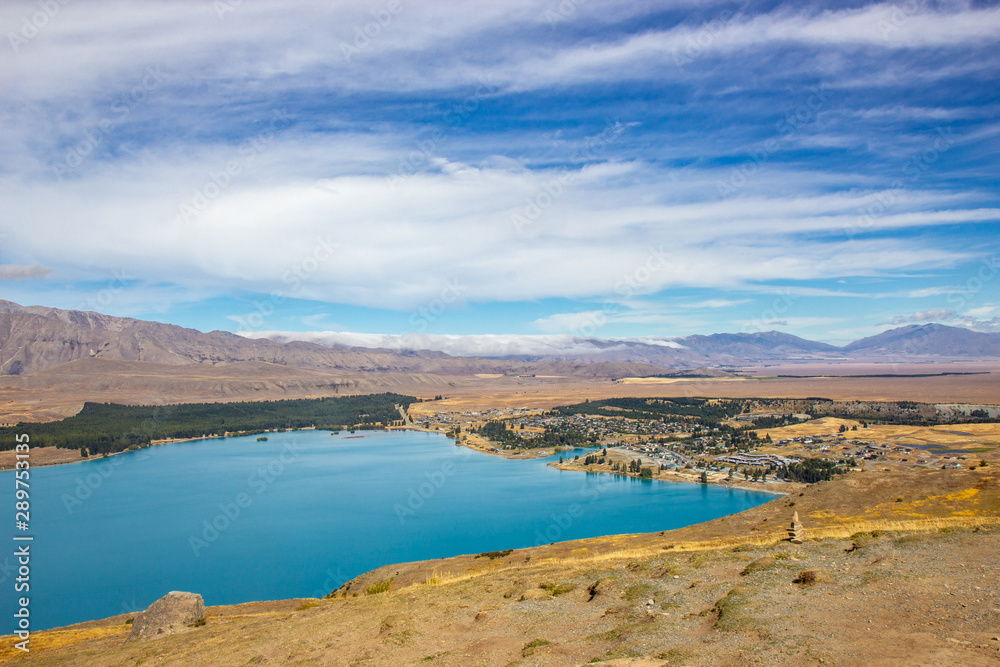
(545, 168)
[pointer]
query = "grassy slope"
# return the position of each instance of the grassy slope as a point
(922, 590)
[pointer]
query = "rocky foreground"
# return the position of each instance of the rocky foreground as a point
(895, 568)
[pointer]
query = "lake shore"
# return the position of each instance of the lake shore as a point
(715, 479)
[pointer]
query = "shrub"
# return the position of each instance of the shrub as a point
(380, 587)
(533, 646)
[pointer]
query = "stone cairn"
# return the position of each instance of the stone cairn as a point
(795, 531)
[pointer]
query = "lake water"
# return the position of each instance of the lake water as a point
(298, 515)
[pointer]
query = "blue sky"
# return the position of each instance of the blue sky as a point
(615, 169)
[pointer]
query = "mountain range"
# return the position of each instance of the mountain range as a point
(34, 338)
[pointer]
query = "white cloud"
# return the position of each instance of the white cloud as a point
(587, 320)
(483, 345)
(936, 315)
(929, 291)
(310, 214)
(353, 239)
(715, 303)
(19, 272)
(794, 323)
(978, 313)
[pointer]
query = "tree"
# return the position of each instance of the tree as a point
(704, 477)
(560, 459)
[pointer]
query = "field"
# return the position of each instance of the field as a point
(61, 391)
(934, 445)
(41, 456)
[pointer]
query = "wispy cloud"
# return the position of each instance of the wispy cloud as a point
(714, 303)
(18, 272)
(486, 111)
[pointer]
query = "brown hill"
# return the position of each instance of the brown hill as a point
(34, 338)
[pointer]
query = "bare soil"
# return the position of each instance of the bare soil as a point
(41, 456)
(60, 391)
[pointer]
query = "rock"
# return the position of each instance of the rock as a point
(174, 612)
(592, 590)
(810, 577)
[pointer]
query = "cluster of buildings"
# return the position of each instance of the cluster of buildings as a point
(758, 460)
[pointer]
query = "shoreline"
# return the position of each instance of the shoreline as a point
(684, 479)
(474, 445)
(481, 447)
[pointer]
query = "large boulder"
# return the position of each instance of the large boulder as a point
(174, 612)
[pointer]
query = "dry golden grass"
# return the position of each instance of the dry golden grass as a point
(59, 639)
(41, 456)
(983, 440)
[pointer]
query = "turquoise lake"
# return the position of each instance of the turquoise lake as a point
(298, 515)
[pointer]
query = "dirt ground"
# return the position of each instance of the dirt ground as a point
(877, 581)
(41, 456)
(61, 391)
